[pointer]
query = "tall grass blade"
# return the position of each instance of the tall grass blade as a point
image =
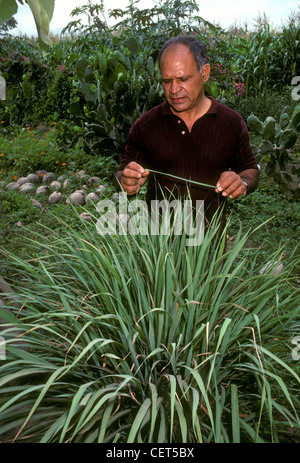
(139, 420)
(235, 414)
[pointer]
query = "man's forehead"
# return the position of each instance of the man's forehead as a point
(178, 68)
(171, 74)
(176, 49)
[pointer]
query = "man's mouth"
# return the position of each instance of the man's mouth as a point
(177, 100)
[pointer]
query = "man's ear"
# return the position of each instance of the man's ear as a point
(205, 72)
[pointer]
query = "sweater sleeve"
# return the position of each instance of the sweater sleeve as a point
(244, 158)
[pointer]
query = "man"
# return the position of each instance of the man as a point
(190, 136)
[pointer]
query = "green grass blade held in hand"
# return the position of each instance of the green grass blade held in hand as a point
(182, 179)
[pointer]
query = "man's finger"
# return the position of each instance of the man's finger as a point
(133, 177)
(230, 184)
(135, 167)
(131, 173)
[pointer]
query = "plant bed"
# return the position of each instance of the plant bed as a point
(143, 339)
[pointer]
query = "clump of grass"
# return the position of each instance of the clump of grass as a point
(140, 338)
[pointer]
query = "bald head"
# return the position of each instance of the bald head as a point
(193, 45)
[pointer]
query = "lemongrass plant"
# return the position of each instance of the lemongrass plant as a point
(141, 338)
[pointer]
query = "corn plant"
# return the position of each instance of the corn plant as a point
(268, 59)
(140, 338)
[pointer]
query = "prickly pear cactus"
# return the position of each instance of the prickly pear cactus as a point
(277, 148)
(113, 90)
(85, 74)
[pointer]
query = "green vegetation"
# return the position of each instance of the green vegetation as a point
(276, 148)
(122, 338)
(42, 12)
(143, 339)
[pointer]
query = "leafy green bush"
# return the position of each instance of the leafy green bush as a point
(277, 141)
(273, 103)
(27, 80)
(117, 88)
(58, 90)
(34, 83)
(143, 339)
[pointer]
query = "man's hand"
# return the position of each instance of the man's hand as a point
(230, 184)
(133, 177)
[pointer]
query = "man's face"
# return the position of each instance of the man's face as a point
(181, 79)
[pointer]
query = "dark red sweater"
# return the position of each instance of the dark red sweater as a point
(218, 142)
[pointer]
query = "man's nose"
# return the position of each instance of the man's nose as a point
(174, 87)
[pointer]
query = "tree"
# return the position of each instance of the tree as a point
(10, 24)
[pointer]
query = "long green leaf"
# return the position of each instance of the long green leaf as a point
(42, 11)
(235, 414)
(7, 9)
(48, 384)
(138, 421)
(73, 408)
(180, 178)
